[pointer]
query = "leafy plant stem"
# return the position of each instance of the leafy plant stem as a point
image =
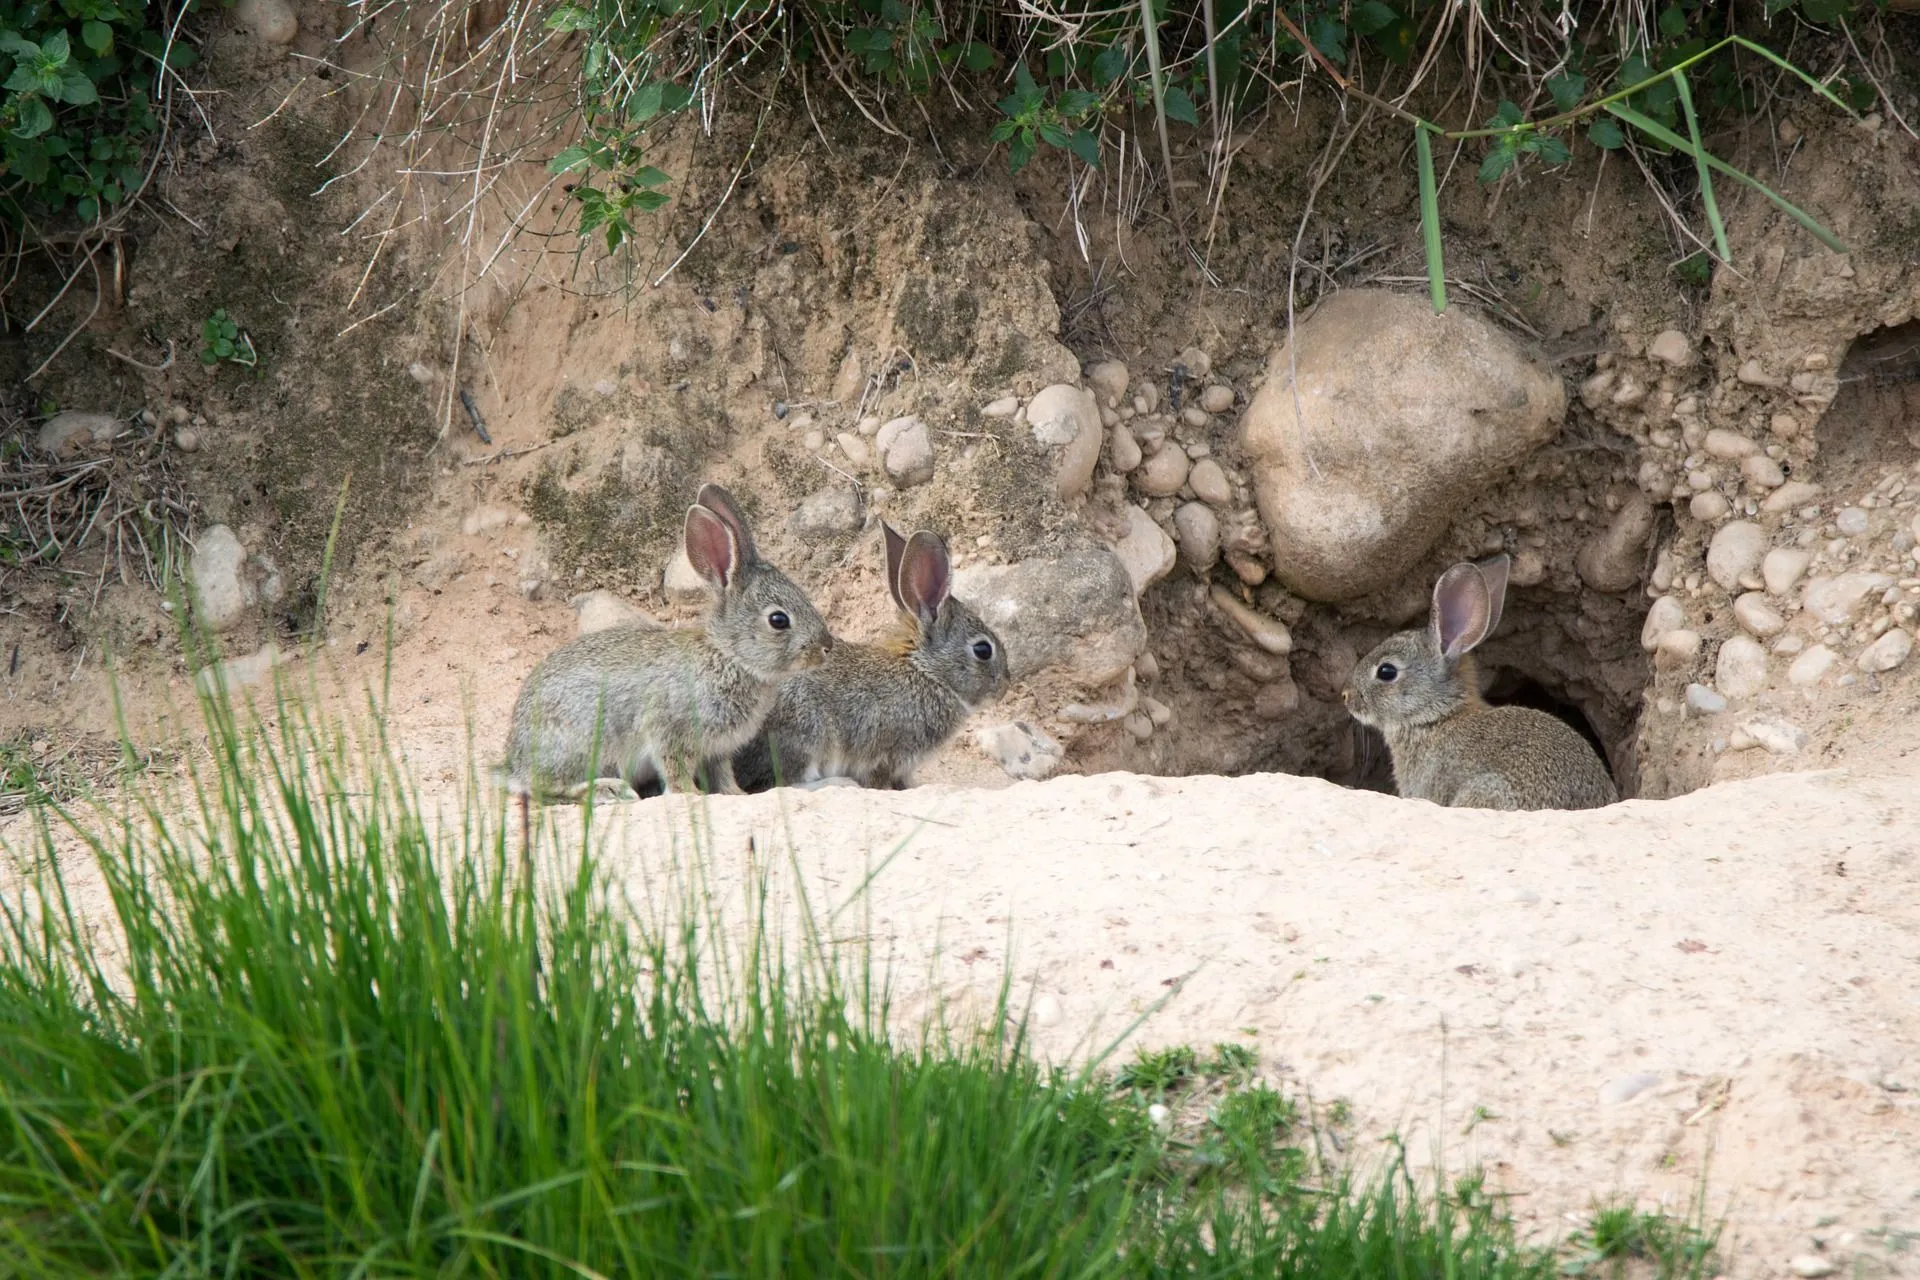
(1707, 201)
(1430, 218)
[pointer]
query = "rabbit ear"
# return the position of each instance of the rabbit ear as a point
(1494, 570)
(721, 503)
(896, 547)
(711, 548)
(925, 577)
(1462, 611)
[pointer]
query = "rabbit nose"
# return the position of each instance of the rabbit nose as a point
(826, 645)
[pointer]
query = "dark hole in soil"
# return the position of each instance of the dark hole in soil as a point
(1874, 420)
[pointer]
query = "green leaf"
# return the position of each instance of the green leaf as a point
(1111, 64)
(97, 36)
(1019, 153)
(54, 50)
(1552, 151)
(87, 209)
(1053, 134)
(23, 80)
(1498, 161)
(570, 18)
(976, 57)
(1506, 116)
(574, 157)
(648, 201)
(1329, 36)
(1396, 42)
(1673, 22)
(1180, 106)
(1086, 146)
(35, 119)
(1003, 130)
(1075, 103)
(1825, 12)
(18, 45)
(1606, 135)
(1370, 16)
(76, 89)
(650, 177)
(1567, 90)
(1430, 219)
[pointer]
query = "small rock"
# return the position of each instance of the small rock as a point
(1916, 526)
(1123, 451)
(1199, 364)
(1729, 445)
(1888, 652)
(1139, 725)
(187, 440)
(1794, 493)
(828, 513)
(1194, 416)
(1157, 711)
(1783, 568)
(1021, 749)
(1146, 551)
(1004, 407)
(1704, 700)
(231, 674)
(849, 380)
(1781, 737)
(1670, 346)
(1812, 666)
(906, 451)
(1756, 617)
(1209, 482)
(1109, 381)
(1059, 413)
(1598, 389)
(1626, 1088)
(1197, 529)
(177, 415)
(1160, 1117)
(599, 610)
(1763, 472)
(859, 457)
(1784, 425)
(1667, 614)
(1810, 1266)
(74, 431)
(1679, 646)
(1741, 670)
(1754, 374)
(486, 518)
(1075, 611)
(1612, 559)
(1164, 474)
(1270, 634)
(1836, 600)
(1850, 521)
(1217, 398)
(1246, 568)
(221, 592)
(1735, 551)
(1708, 507)
(1277, 700)
(682, 585)
(271, 21)
(1046, 1010)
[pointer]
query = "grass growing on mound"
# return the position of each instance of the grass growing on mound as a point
(316, 1035)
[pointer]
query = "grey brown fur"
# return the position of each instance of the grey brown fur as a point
(873, 713)
(1448, 745)
(669, 704)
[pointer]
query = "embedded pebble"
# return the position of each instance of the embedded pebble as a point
(1146, 552)
(1611, 560)
(1199, 364)
(1109, 381)
(1270, 634)
(1783, 568)
(1850, 521)
(1197, 529)
(1729, 445)
(1735, 551)
(1811, 1266)
(1139, 725)
(855, 448)
(1163, 474)
(1754, 374)
(1667, 614)
(1812, 666)
(1217, 398)
(1019, 748)
(186, 439)
(1756, 617)
(906, 451)
(1670, 346)
(1060, 413)
(272, 21)
(1004, 407)
(1834, 601)
(1763, 472)
(1123, 451)
(1194, 416)
(1159, 1116)
(1708, 507)
(1157, 711)
(1741, 670)
(1782, 737)
(1209, 483)
(682, 583)
(1705, 700)
(1794, 493)
(1888, 652)
(1679, 646)
(1626, 1088)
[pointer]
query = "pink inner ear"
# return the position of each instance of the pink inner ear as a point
(710, 548)
(1460, 610)
(925, 576)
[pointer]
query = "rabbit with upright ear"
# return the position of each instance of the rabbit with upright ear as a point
(645, 704)
(1419, 688)
(873, 713)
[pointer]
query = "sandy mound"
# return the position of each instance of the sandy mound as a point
(1617, 1002)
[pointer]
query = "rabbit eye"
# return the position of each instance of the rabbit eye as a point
(779, 620)
(983, 650)
(1386, 673)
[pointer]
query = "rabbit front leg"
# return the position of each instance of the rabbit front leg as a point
(720, 779)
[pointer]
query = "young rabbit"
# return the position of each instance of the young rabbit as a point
(873, 713)
(1419, 689)
(669, 704)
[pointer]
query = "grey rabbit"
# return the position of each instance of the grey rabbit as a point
(669, 704)
(874, 713)
(1419, 688)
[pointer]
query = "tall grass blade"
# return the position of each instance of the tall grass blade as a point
(1150, 36)
(1660, 133)
(1699, 151)
(1811, 82)
(1430, 218)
